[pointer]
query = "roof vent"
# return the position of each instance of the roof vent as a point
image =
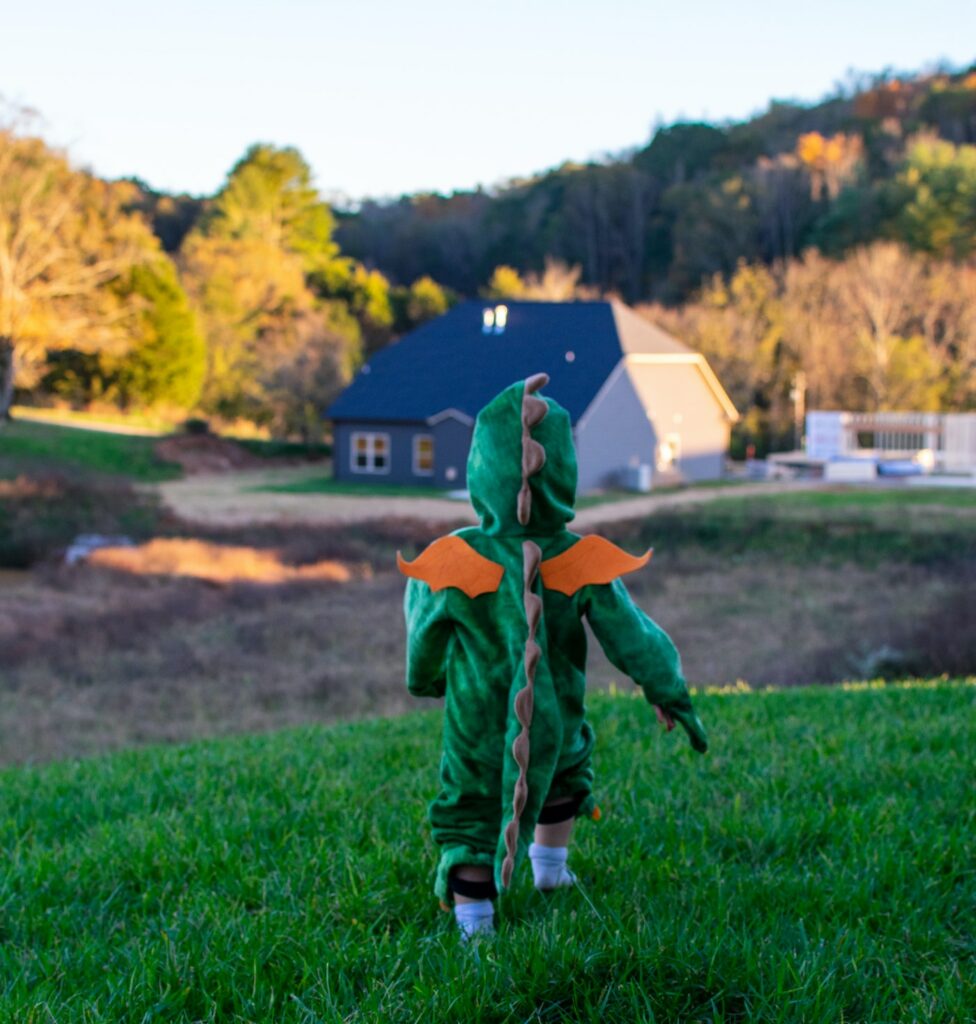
(493, 321)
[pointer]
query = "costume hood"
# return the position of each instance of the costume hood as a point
(522, 464)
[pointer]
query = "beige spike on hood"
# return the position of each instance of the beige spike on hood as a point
(533, 454)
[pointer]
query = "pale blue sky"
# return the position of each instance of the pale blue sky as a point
(384, 96)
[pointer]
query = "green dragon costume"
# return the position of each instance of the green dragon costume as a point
(495, 625)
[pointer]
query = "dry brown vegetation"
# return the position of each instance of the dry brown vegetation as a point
(205, 453)
(216, 563)
(93, 659)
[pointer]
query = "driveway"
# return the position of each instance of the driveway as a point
(233, 499)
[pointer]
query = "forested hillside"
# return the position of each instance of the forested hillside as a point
(827, 247)
(699, 198)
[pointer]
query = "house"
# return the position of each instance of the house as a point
(637, 397)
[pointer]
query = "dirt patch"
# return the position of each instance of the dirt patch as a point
(242, 498)
(205, 453)
(216, 563)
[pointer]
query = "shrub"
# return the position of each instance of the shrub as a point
(196, 426)
(39, 516)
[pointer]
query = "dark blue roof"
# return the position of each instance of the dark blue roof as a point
(450, 363)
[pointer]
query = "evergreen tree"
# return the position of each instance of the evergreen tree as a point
(167, 363)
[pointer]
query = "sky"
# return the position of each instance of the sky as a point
(385, 97)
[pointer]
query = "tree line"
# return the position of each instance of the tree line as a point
(240, 306)
(889, 159)
(830, 244)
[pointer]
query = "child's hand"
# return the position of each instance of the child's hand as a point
(664, 718)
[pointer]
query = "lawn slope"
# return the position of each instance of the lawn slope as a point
(816, 865)
(30, 447)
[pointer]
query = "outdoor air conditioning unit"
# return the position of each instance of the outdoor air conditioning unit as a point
(638, 478)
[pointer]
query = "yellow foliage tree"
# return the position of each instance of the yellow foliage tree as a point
(64, 235)
(505, 283)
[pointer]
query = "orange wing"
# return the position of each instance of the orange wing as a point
(452, 562)
(590, 560)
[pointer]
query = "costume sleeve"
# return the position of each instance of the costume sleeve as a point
(639, 648)
(429, 633)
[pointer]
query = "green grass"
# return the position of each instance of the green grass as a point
(66, 417)
(27, 447)
(277, 449)
(805, 534)
(816, 865)
(895, 497)
(323, 483)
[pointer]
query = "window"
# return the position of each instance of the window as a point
(370, 453)
(423, 455)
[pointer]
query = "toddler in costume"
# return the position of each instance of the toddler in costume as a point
(495, 625)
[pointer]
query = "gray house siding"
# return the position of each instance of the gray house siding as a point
(679, 402)
(612, 434)
(451, 442)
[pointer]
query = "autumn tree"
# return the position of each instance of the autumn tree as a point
(269, 195)
(882, 329)
(881, 286)
(505, 283)
(939, 182)
(831, 162)
(64, 236)
(249, 266)
(558, 282)
(738, 324)
(426, 299)
(305, 361)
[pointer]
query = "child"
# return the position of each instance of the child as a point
(495, 625)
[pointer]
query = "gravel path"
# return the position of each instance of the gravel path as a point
(232, 499)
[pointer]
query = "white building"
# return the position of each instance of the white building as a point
(939, 442)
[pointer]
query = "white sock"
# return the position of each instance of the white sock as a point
(549, 867)
(475, 918)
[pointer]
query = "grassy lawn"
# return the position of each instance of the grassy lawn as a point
(324, 483)
(277, 449)
(135, 421)
(850, 497)
(29, 446)
(816, 865)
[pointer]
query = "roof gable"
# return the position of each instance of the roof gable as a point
(640, 336)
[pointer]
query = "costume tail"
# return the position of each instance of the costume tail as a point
(524, 705)
(532, 749)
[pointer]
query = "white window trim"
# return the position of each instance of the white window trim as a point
(417, 471)
(371, 469)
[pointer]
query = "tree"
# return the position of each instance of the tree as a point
(64, 235)
(168, 360)
(250, 266)
(939, 181)
(242, 289)
(425, 301)
(681, 152)
(881, 288)
(557, 283)
(505, 283)
(715, 227)
(269, 195)
(305, 365)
